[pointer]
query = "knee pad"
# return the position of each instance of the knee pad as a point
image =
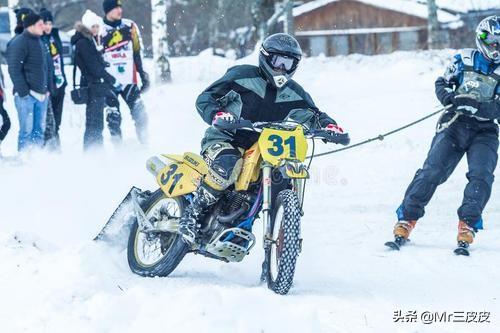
(113, 117)
(224, 165)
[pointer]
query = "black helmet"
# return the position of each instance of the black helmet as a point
(279, 57)
(488, 38)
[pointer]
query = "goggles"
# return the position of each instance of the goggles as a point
(490, 40)
(283, 62)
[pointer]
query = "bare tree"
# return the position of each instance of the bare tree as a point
(161, 9)
(432, 25)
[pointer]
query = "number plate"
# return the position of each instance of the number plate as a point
(276, 145)
(178, 179)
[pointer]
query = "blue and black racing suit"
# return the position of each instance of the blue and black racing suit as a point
(469, 129)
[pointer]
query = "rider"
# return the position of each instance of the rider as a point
(263, 93)
(471, 85)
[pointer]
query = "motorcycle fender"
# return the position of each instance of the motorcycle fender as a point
(294, 170)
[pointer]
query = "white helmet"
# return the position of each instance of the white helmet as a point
(488, 38)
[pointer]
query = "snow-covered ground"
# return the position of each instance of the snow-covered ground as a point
(54, 278)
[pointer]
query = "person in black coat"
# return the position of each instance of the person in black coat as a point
(30, 75)
(100, 83)
(53, 42)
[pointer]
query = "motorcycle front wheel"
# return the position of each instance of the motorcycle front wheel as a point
(156, 254)
(281, 257)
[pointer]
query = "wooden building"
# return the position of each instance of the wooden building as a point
(339, 27)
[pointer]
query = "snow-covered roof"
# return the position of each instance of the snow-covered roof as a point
(360, 31)
(464, 6)
(409, 7)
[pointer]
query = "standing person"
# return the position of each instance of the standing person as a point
(122, 50)
(53, 42)
(29, 72)
(88, 58)
(471, 85)
(4, 117)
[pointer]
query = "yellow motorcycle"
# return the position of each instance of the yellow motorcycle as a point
(270, 186)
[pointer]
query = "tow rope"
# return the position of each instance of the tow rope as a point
(381, 137)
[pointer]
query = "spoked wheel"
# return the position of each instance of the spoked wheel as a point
(281, 257)
(156, 254)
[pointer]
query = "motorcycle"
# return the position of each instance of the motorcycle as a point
(270, 186)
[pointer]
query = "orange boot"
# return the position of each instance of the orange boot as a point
(402, 229)
(465, 233)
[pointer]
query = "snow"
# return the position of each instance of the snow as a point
(404, 6)
(54, 278)
(464, 6)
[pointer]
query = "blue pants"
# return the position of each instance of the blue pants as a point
(32, 117)
(479, 141)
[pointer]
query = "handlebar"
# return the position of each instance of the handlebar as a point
(244, 124)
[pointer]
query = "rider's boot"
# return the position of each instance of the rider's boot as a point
(203, 198)
(465, 235)
(402, 230)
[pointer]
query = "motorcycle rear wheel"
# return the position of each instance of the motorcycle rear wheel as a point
(156, 254)
(281, 257)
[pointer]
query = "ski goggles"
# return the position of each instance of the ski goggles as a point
(490, 40)
(283, 62)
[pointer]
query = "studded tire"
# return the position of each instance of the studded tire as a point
(172, 255)
(281, 263)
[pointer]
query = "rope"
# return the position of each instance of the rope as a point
(383, 136)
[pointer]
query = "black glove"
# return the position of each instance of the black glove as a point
(466, 104)
(448, 98)
(145, 82)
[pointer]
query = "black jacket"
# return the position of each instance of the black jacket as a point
(245, 93)
(28, 66)
(90, 62)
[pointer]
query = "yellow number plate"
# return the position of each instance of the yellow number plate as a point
(276, 145)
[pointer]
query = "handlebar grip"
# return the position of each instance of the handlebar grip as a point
(338, 138)
(342, 139)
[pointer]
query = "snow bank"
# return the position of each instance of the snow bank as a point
(53, 278)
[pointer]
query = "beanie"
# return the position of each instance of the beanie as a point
(109, 5)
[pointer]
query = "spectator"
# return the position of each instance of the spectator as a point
(53, 42)
(29, 72)
(88, 58)
(121, 40)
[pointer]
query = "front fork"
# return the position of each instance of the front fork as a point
(298, 187)
(266, 205)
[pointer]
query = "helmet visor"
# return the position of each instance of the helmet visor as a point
(492, 41)
(283, 63)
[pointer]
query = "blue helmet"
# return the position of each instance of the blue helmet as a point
(279, 57)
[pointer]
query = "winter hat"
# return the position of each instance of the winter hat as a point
(90, 19)
(109, 5)
(46, 15)
(21, 13)
(31, 19)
